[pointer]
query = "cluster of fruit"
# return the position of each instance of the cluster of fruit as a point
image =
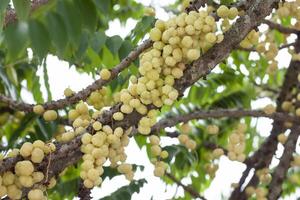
(236, 145)
(24, 175)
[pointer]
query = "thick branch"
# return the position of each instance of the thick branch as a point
(188, 189)
(83, 94)
(278, 176)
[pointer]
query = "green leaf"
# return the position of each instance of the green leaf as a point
(103, 5)
(72, 19)
(15, 38)
(8, 85)
(114, 43)
(98, 40)
(140, 29)
(22, 8)
(125, 49)
(83, 45)
(23, 124)
(12, 75)
(40, 39)
(57, 30)
(88, 14)
(3, 7)
(126, 192)
(46, 81)
(45, 130)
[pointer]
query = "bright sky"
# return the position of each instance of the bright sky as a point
(62, 76)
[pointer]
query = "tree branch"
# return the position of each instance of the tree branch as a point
(200, 114)
(84, 193)
(280, 28)
(280, 47)
(188, 189)
(83, 94)
(278, 176)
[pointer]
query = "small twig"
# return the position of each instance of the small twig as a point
(220, 113)
(280, 28)
(188, 189)
(280, 47)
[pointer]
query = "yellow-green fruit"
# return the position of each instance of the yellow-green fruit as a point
(164, 154)
(191, 144)
(37, 155)
(144, 130)
(233, 12)
(105, 74)
(159, 171)
(97, 126)
(218, 153)
(286, 105)
(155, 34)
(86, 138)
(155, 150)
(282, 138)
(118, 116)
(36, 194)
(126, 109)
(68, 92)
(50, 115)
(13, 192)
(125, 168)
(223, 11)
(187, 41)
(211, 38)
(26, 181)
(269, 109)
(118, 132)
(82, 108)
(8, 178)
(149, 11)
(88, 183)
(298, 112)
(183, 138)
(154, 140)
(52, 183)
(24, 168)
(39, 144)
(3, 191)
(93, 174)
(38, 109)
(213, 129)
(73, 114)
(26, 149)
(193, 54)
(185, 128)
(37, 177)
